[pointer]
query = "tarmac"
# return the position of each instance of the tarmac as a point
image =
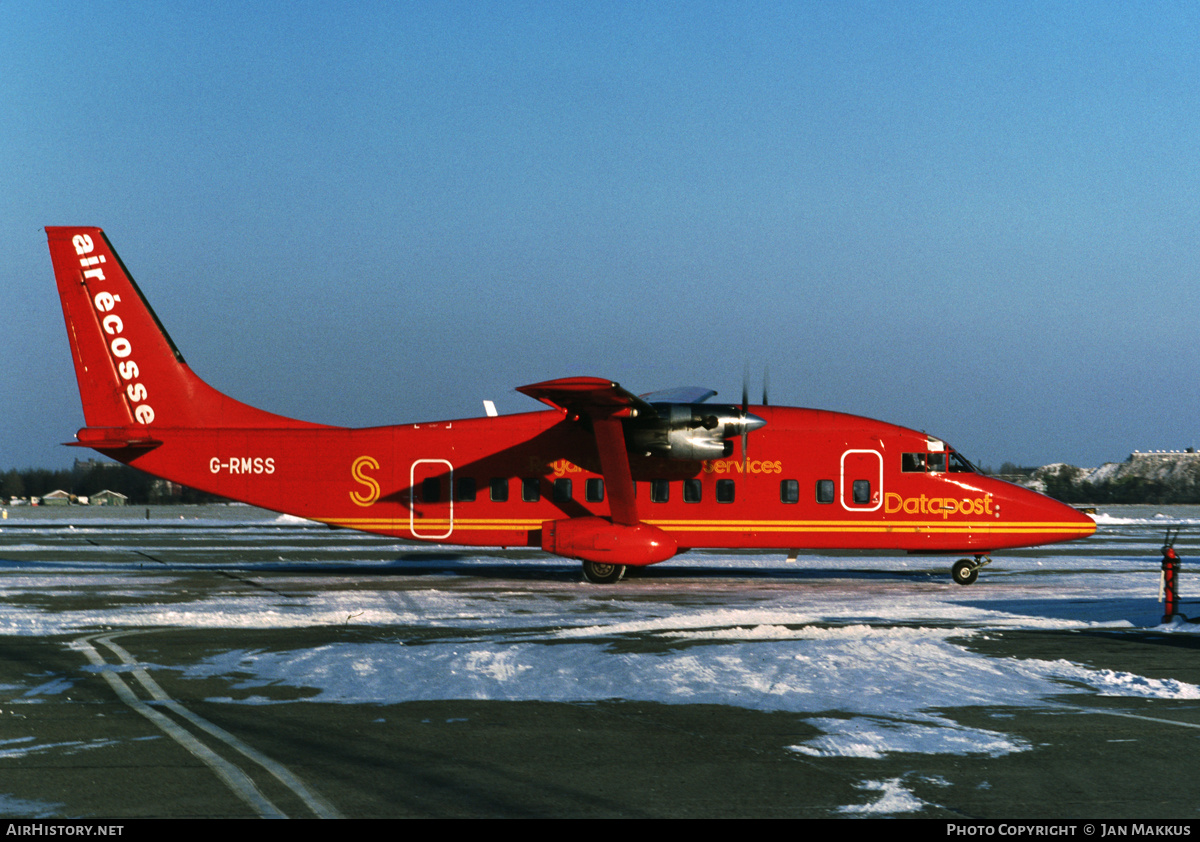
(136, 682)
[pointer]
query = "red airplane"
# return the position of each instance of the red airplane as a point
(605, 476)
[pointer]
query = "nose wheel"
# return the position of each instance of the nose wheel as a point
(965, 571)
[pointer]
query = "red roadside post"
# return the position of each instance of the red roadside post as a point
(1170, 579)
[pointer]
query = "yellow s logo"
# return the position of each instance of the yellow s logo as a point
(356, 470)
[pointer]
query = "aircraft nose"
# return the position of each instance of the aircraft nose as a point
(1088, 521)
(1079, 524)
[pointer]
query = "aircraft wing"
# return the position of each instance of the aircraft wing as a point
(604, 403)
(590, 396)
(681, 394)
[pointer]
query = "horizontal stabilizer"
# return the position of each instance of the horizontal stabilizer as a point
(114, 438)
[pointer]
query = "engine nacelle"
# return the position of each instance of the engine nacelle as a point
(596, 539)
(692, 431)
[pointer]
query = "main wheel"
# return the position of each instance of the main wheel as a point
(600, 573)
(964, 571)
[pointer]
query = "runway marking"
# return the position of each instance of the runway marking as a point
(234, 576)
(237, 780)
(1134, 716)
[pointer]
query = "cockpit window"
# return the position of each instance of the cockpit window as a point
(917, 463)
(959, 464)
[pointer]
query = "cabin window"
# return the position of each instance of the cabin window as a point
(692, 490)
(936, 462)
(593, 490)
(725, 491)
(862, 491)
(912, 463)
(431, 491)
(660, 491)
(562, 490)
(789, 491)
(499, 487)
(464, 489)
(531, 490)
(825, 491)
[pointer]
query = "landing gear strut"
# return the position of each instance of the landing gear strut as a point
(965, 571)
(599, 573)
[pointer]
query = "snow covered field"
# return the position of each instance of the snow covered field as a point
(872, 651)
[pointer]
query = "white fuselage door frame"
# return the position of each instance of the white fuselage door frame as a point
(430, 519)
(863, 464)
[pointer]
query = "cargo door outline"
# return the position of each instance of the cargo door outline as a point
(864, 464)
(428, 520)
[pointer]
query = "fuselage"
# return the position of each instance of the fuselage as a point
(811, 479)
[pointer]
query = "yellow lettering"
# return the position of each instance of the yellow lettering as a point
(357, 471)
(944, 506)
(731, 466)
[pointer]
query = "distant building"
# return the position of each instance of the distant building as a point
(108, 498)
(56, 498)
(82, 466)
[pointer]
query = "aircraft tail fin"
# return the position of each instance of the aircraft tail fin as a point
(131, 376)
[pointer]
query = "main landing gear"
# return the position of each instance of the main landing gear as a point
(599, 573)
(965, 571)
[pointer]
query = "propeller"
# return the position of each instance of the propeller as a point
(749, 422)
(745, 413)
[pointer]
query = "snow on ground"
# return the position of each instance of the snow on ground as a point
(874, 652)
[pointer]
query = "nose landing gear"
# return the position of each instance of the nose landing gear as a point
(965, 571)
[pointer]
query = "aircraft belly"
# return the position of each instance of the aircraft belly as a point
(906, 536)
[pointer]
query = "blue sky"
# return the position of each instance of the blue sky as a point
(977, 219)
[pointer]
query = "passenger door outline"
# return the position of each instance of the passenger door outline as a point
(860, 463)
(418, 472)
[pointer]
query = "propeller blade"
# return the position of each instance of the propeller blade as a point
(745, 414)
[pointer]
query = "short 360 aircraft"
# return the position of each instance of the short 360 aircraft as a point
(604, 476)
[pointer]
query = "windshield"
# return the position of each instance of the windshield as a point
(936, 462)
(960, 465)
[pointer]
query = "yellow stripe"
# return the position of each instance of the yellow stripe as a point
(459, 523)
(842, 524)
(797, 526)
